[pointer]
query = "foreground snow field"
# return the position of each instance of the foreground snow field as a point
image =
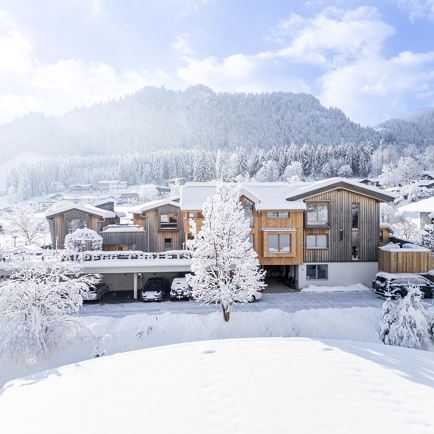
(268, 385)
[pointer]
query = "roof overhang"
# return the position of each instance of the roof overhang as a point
(342, 185)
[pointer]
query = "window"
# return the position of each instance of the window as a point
(279, 243)
(355, 215)
(169, 221)
(316, 241)
(317, 272)
(277, 215)
(248, 211)
(355, 243)
(167, 243)
(73, 224)
(317, 214)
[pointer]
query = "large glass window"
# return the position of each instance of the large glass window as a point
(279, 243)
(169, 221)
(316, 241)
(73, 224)
(317, 214)
(317, 272)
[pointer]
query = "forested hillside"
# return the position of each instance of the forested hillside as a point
(417, 129)
(156, 118)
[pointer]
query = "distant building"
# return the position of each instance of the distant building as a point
(161, 220)
(69, 217)
(111, 185)
(419, 212)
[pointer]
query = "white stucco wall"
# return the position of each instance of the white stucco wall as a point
(341, 273)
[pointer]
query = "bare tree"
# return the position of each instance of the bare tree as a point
(23, 220)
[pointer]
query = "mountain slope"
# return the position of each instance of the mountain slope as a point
(156, 118)
(417, 129)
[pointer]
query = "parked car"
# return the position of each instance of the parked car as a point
(256, 296)
(154, 289)
(179, 290)
(396, 284)
(95, 292)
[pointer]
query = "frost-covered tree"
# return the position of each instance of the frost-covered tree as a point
(388, 318)
(83, 239)
(23, 220)
(345, 171)
(293, 172)
(37, 304)
(428, 240)
(411, 327)
(225, 268)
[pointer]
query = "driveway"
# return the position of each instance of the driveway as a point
(289, 302)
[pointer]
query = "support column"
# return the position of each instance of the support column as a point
(135, 286)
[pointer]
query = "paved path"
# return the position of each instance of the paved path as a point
(289, 302)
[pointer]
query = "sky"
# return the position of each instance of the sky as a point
(372, 59)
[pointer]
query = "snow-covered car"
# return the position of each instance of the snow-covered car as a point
(395, 284)
(256, 296)
(179, 290)
(95, 292)
(154, 289)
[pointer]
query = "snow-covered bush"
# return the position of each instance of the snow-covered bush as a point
(83, 239)
(410, 328)
(388, 318)
(36, 305)
(225, 268)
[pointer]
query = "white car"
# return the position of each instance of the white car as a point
(179, 290)
(256, 296)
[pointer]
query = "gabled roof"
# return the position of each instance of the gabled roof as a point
(172, 200)
(308, 189)
(267, 196)
(89, 209)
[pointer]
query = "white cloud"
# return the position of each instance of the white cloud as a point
(26, 84)
(333, 37)
(376, 88)
(417, 8)
(238, 73)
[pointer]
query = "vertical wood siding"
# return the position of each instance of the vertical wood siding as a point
(340, 202)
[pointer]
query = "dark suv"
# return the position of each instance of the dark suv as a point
(154, 290)
(395, 285)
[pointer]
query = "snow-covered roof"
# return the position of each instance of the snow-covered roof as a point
(122, 228)
(386, 226)
(409, 247)
(307, 189)
(172, 200)
(84, 234)
(265, 195)
(425, 205)
(89, 209)
(425, 182)
(104, 201)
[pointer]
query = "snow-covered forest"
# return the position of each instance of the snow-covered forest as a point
(43, 175)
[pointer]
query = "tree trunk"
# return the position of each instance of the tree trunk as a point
(226, 313)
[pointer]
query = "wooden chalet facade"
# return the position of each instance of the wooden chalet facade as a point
(66, 219)
(321, 233)
(162, 224)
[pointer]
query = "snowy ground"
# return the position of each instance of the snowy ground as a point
(278, 385)
(287, 302)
